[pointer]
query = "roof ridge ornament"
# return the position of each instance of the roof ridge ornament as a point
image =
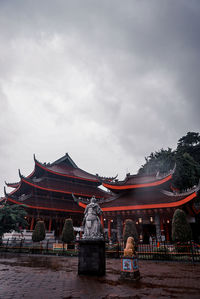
(5, 193)
(37, 161)
(195, 188)
(87, 200)
(20, 175)
(8, 184)
(104, 178)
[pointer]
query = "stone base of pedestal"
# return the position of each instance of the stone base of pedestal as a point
(129, 269)
(91, 259)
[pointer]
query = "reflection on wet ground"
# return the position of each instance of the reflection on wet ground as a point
(38, 276)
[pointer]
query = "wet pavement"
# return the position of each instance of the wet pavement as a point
(47, 277)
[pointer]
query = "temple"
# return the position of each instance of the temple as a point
(151, 203)
(49, 191)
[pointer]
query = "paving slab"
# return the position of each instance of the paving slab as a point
(47, 277)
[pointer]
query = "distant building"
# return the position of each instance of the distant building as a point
(148, 200)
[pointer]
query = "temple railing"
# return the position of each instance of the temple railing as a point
(189, 252)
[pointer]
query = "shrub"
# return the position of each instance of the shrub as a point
(181, 230)
(39, 232)
(130, 231)
(68, 231)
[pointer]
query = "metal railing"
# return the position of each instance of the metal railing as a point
(170, 252)
(189, 252)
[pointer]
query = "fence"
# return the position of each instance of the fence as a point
(168, 252)
(49, 246)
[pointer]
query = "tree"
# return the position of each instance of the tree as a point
(130, 231)
(39, 232)
(190, 144)
(181, 230)
(187, 171)
(187, 159)
(191, 139)
(12, 217)
(68, 231)
(160, 161)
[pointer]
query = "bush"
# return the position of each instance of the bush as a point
(39, 232)
(181, 230)
(68, 231)
(130, 231)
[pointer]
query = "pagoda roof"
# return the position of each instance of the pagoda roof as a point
(139, 181)
(12, 185)
(135, 200)
(64, 187)
(17, 184)
(44, 203)
(49, 185)
(66, 167)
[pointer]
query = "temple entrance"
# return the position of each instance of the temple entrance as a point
(148, 230)
(55, 228)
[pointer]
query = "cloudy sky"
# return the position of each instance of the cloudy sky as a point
(106, 81)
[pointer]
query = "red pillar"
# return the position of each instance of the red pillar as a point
(167, 232)
(123, 226)
(50, 223)
(32, 223)
(162, 230)
(109, 228)
(102, 222)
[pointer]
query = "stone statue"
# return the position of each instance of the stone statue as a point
(91, 221)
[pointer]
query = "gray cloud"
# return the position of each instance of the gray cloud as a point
(106, 81)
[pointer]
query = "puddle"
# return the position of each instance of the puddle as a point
(50, 263)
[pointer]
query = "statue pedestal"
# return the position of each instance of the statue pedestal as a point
(91, 259)
(129, 269)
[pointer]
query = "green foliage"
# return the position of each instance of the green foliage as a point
(130, 231)
(160, 161)
(181, 230)
(187, 159)
(187, 171)
(39, 232)
(189, 142)
(12, 217)
(68, 231)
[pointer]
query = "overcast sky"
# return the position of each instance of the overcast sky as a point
(106, 81)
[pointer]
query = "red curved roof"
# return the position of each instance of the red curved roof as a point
(136, 181)
(16, 185)
(50, 205)
(108, 207)
(65, 187)
(147, 200)
(12, 185)
(70, 172)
